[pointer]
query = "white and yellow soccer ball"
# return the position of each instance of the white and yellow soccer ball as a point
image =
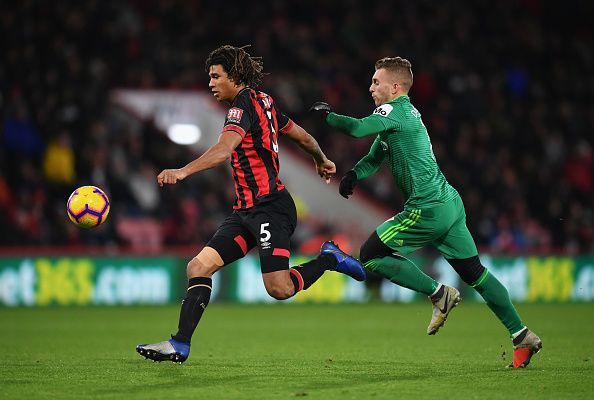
(88, 207)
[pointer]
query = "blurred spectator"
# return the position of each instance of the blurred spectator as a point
(20, 134)
(58, 161)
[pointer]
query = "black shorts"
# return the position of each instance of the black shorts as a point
(268, 224)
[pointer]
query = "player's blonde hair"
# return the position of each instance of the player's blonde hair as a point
(401, 67)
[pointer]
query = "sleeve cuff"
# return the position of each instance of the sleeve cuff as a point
(234, 128)
(287, 126)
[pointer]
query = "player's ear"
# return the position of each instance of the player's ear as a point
(395, 87)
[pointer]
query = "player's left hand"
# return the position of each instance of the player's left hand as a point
(170, 176)
(321, 107)
(347, 184)
(326, 170)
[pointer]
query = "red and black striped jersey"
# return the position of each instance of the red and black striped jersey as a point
(255, 167)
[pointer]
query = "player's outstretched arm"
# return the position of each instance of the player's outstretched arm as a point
(325, 168)
(352, 126)
(215, 155)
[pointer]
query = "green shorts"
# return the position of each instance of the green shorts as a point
(443, 227)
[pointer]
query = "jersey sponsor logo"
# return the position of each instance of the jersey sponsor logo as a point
(234, 115)
(383, 110)
(267, 102)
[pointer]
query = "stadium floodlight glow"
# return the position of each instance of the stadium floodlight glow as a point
(185, 134)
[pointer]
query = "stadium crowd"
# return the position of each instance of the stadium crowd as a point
(505, 88)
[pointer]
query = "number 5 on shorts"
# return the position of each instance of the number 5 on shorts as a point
(265, 234)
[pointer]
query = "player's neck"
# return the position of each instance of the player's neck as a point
(236, 91)
(396, 96)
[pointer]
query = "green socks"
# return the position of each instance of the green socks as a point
(497, 298)
(403, 272)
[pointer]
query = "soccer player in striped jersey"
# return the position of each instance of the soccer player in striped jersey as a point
(264, 213)
(433, 211)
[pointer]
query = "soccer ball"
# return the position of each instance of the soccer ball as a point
(88, 207)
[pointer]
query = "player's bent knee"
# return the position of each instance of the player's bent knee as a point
(469, 269)
(281, 292)
(206, 263)
(279, 285)
(374, 248)
(196, 268)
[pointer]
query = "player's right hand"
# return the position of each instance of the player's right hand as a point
(321, 107)
(347, 184)
(326, 170)
(170, 176)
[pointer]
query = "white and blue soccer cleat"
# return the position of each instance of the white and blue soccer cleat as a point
(170, 350)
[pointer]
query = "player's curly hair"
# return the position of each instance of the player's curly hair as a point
(400, 66)
(238, 64)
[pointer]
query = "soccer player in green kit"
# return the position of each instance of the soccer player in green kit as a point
(433, 211)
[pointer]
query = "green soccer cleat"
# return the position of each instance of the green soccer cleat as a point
(443, 302)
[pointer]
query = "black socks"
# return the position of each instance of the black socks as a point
(193, 305)
(303, 276)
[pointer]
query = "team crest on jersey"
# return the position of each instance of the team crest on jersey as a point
(384, 110)
(234, 115)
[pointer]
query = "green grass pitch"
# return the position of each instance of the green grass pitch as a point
(283, 351)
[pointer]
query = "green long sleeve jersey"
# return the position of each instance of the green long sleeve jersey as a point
(403, 140)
